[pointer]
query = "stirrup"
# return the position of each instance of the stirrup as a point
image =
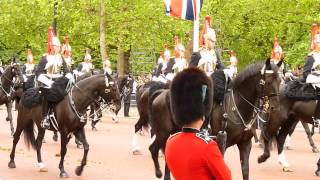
(45, 123)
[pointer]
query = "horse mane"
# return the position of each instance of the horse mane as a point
(251, 70)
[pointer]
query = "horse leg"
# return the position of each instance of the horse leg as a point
(166, 170)
(16, 137)
(308, 132)
(281, 137)
(318, 168)
(256, 139)
(135, 142)
(9, 117)
(63, 151)
(55, 136)
(288, 139)
(40, 164)
(154, 149)
(245, 148)
(267, 140)
(82, 137)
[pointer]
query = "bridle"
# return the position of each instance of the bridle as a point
(12, 84)
(263, 99)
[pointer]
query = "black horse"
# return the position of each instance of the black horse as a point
(259, 81)
(282, 123)
(8, 89)
(68, 114)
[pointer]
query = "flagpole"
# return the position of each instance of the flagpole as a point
(196, 24)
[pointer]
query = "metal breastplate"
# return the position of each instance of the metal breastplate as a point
(29, 68)
(54, 64)
(316, 64)
(86, 67)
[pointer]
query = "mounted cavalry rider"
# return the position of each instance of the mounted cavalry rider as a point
(66, 52)
(52, 68)
(232, 69)
(29, 65)
(157, 70)
(86, 66)
(180, 61)
(107, 66)
(277, 55)
(207, 58)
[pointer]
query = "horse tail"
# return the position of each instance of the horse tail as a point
(29, 137)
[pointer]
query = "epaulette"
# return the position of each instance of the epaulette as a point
(174, 135)
(205, 136)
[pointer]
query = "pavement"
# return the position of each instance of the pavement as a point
(110, 156)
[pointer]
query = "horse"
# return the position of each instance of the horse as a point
(68, 113)
(7, 89)
(257, 82)
(282, 122)
(143, 94)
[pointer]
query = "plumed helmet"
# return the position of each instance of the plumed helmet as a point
(207, 32)
(191, 96)
(55, 41)
(315, 39)
(276, 48)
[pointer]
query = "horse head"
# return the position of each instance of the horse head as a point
(269, 85)
(111, 93)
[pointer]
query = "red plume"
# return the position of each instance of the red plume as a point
(314, 32)
(49, 43)
(275, 44)
(207, 24)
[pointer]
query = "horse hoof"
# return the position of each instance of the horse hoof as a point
(8, 119)
(136, 152)
(58, 155)
(78, 171)
(55, 138)
(43, 169)
(315, 150)
(261, 159)
(289, 147)
(158, 173)
(11, 164)
(64, 175)
(287, 169)
(317, 173)
(94, 129)
(167, 178)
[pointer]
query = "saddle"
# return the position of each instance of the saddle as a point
(32, 97)
(300, 91)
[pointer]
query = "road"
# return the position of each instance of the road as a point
(110, 156)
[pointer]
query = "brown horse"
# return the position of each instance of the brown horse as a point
(68, 115)
(237, 114)
(282, 122)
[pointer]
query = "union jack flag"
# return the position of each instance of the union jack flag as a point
(184, 9)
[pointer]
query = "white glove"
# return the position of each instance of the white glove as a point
(70, 77)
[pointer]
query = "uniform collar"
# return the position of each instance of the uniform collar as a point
(190, 130)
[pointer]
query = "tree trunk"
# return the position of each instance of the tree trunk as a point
(103, 50)
(123, 62)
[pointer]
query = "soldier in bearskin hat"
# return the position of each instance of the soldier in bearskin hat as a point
(202, 160)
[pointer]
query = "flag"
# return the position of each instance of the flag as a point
(183, 9)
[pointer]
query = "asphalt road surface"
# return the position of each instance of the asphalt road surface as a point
(110, 156)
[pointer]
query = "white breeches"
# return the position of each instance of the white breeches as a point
(313, 79)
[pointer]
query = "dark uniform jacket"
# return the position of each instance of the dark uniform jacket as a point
(169, 67)
(191, 156)
(307, 67)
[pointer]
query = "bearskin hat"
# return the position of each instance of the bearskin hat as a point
(190, 96)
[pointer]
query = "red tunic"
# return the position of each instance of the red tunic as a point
(189, 156)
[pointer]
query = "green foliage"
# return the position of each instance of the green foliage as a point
(245, 26)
